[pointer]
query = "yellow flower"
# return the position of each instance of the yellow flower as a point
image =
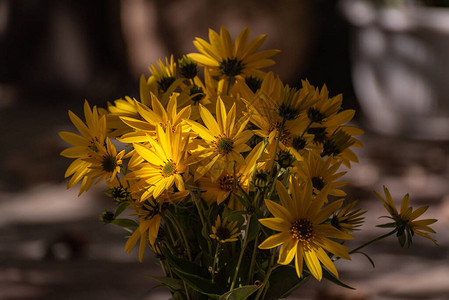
(223, 57)
(348, 219)
(303, 234)
(225, 139)
(149, 214)
(321, 173)
(164, 74)
(405, 222)
(219, 190)
(163, 162)
(225, 232)
(148, 119)
(92, 134)
(105, 163)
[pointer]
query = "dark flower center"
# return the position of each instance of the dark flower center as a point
(318, 183)
(169, 169)
(231, 67)
(302, 230)
(109, 163)
(226, 182)
(165, 83)
(223, 233)
(254, 83)
(224, 145)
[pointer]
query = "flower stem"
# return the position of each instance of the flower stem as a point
(180, 231)
(253, 260)
(217, 249)
(372, 241)
(267, 277)
(307, 128)
(245, 242)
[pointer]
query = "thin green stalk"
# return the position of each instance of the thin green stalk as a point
(180, 231)
(229, 85)
(267, 277)
(187, 291)
(307, 128)
(273, 165)
(217, 249)
(372, 241)
(253, 260)
(242, 250)
(199, 207)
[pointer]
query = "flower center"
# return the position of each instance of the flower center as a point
(254, 83)
(224, 145)
(165, 82)
(318, 183)
(226, 182)
(198, 92)
(169, 169)
(302, 230)
(109, 163)
(223, 233)
(285, 134)
(298, 143)
(231, 67)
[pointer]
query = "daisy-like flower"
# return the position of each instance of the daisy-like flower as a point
(147, 121)
(324, 106)
(105, 163)
(225, 232)
(163, 162)
(92, 134)
(219, 190)
(348, 219)
(405, 222)
(303, 233)
(225, 139)
(321, 173)
(223, 57)
(149, 214)
(164, 74)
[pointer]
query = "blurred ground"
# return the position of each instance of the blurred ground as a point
(53, 245)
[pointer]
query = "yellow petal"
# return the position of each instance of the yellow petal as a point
(313, 264)
(275, 240)
(277, 224)
(326, 261)
(287, 252)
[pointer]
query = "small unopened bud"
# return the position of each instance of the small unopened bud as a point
(107, 216)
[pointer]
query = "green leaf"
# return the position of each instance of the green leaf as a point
(200, 284)
(367, 257)
(122, 206)
(173, 283)
(254, 229)
(240, 293)
(183, 265)
(327, 275)
(283, 281)
(125, 223)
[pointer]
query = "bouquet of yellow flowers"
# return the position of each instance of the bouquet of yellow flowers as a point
(230, 177)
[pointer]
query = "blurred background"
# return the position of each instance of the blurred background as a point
(390, 59)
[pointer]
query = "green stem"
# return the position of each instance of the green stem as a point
(307, 128)
(200, 209)
(180, 231)
(253, 260)
(229, 85)
(242, 250)
(217, 249)
(273, 165)
(267, 277)
(372, 241)
(187, 291)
